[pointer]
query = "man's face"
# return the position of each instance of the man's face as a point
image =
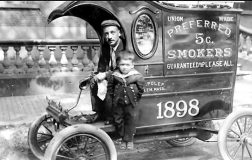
(125, 66)
(111, 34)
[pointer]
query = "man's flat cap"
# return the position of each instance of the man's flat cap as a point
(110, 23)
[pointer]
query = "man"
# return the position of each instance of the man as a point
(107, 63)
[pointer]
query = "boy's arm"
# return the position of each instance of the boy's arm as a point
(140, 86)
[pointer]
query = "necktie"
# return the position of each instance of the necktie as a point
(112, 59)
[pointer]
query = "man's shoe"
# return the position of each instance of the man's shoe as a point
(118, 141)
(92, 118)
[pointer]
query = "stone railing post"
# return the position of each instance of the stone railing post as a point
(42, 62)
(74, 60)
(29, 60)
(88, 65)
(95, 58)
(52, 61)
(19, 62)
(64, 61)
(6, 62)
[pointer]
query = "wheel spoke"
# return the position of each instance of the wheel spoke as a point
(77, 144)
(43, 140)
(69, 149)
(243, 150)
(235, 132)
(239, 126)
(44, 134)
(61, 156)
(248, 130)
(235, 153)
(86, 142)
(245, 125)
(93, 149)
(233, 139)
(248, 151)
(47, 129)
(97, 156)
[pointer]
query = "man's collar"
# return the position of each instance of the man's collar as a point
(118, 42)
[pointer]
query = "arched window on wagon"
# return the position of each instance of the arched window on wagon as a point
(144, 35)
(146, 38)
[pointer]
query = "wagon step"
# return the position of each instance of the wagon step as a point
(165, 136)
(211, 130)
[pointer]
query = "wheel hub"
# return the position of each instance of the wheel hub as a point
(245, 139)
(83, 157)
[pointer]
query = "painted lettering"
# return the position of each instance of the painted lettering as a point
(199, 23)
(204, 64)
(175, 18)
(181, 108)
(226, 19)
(199, 53)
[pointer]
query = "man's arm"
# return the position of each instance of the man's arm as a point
(103, 64)
(110, 91)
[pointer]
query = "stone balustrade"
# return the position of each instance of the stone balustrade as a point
(36, 57)
(56, 66)
(245, 45)
(42, 57)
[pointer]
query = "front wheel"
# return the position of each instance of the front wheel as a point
(81, 141)
(182, 142)
(40, 134)
(235, 136)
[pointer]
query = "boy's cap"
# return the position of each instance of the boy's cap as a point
(110, 23)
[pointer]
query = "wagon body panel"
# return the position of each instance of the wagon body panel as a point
(199, 66)
(190, 71)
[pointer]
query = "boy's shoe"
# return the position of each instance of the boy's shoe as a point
(123, 145)
(118, 141)
(130, 145)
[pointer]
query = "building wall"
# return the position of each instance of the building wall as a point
(23, 21)
(28, 20)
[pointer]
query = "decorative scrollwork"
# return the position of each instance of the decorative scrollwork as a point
(144, 8)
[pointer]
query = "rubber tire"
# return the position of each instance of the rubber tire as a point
(190, 141)
(225, 128)
(61, 136)
(32, 136)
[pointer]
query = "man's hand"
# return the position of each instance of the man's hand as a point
(100, 76)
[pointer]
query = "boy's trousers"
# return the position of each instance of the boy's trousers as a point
(125, 117)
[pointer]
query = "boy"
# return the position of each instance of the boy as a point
(125, 88)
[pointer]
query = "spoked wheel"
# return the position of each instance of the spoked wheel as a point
(41, 133)
(182, 142)
(81, 142)
(235, 136)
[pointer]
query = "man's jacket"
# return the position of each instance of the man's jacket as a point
(103, 64)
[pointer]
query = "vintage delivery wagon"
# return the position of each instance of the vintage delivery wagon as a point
(188, 56)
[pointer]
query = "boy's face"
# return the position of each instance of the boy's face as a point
(125, 65)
